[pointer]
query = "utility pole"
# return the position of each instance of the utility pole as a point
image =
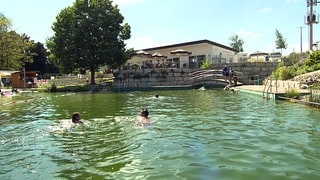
(311, 18)
(301, 38)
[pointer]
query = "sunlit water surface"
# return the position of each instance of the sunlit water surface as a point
(194, 134)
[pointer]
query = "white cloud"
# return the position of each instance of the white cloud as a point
(265, 10)
(126, 1)
(244, 33)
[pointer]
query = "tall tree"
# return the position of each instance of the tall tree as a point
(89, 34)
(236, 43)
(5, 23)
(280, 41)
(13, 47)
(40, 58)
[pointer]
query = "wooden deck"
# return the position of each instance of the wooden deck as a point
(274, 91)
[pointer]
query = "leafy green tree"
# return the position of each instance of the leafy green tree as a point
(89, 34)
(14, 50)
(5, 23)
(236, 43)
(13, 47)
(280, 41)
(40, 59)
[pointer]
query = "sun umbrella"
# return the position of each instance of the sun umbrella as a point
(142, 53)
(158, 55)
(181, 52)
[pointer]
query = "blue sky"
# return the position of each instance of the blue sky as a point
(163, 22)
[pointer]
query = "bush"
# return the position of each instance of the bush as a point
(313, 59)
(53, 88)
(206, 64)
(292, 93)
(164, 72)
(283, 73)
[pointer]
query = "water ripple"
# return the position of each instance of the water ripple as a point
(194, 135)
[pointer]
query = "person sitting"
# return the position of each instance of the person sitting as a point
(225, 72)
(144, 116)
(76, 118)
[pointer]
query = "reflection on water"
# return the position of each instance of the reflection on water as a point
(211, 134)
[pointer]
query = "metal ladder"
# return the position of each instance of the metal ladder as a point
(267, 89)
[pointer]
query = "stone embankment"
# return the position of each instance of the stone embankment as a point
(315, 76)
(251, 73)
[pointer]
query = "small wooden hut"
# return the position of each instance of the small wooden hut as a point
(27, 79)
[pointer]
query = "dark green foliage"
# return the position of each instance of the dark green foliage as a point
(287, 70)
(236, 43)
(280, 41)
(40, 63)
(14, 47)
(313, 60)
(293, 93)
(89, 34)
(53, 88)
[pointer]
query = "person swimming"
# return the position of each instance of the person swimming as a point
(143, 119)
(76, 118)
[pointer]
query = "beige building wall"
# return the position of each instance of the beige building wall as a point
(200, 52)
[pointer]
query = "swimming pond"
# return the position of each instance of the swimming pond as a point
(212, 134)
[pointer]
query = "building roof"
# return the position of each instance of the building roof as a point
(191, 43)
(258, 53)
(6, 72)
(29, 73)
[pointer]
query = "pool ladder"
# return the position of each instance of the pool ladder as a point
(267, 90)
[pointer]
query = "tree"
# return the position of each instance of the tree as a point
(280, 41)
(89, 34)
(40, 59)
(5, 23)
(236, 43)
(13, 47)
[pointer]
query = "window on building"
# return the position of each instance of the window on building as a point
(196, 61)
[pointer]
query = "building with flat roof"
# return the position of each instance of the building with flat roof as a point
(196, 52)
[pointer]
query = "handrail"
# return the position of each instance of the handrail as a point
(264, 88)
(212, 72)
(267, 88)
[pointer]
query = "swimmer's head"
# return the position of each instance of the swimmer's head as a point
(76, 117)
(144, 113)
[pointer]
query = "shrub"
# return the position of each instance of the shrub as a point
(283, 73)
(206, 64)
(313, 59)
(164, 72)
(53, 88)
(292, 93)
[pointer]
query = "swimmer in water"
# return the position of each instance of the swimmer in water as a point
(76, 118)
(144, 116)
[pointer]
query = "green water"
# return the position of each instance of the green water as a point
(195, 134)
